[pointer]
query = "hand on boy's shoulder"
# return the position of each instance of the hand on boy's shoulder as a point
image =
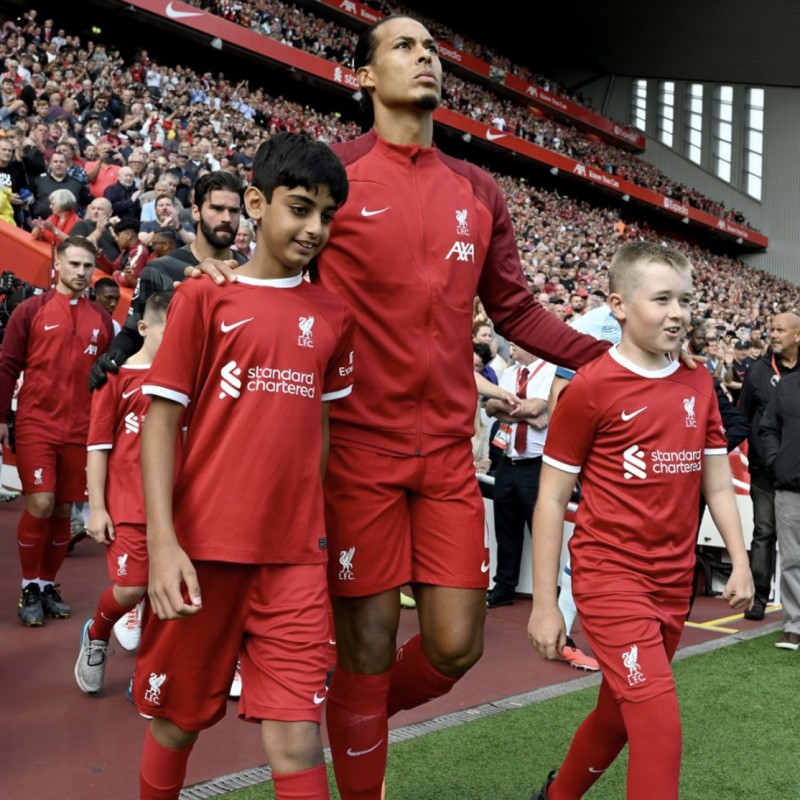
(217, 269)
(690, 360)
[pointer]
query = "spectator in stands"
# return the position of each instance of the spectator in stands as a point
(737, 369)
(13, 180)
(780, 440)
(56, 228)
(757, 390)
(163, 242)
(134, 254)
(520, 438)
(55, 178)
(166, 186)
(52, 418)
(186, 173)
(11, 105)
(484, 332)
(123, 195)
(97, 227)
(245, 238)
(167, 217)
(103, 172)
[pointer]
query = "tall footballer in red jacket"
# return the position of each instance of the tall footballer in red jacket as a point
(55, 338)
(420, 235)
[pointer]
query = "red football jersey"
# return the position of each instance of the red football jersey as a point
(253, 361)
(638, 439)
(118, 411)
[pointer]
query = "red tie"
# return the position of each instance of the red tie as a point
(521, 434)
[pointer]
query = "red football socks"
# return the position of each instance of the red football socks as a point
(107, 613)
(162, 771)
(654, 747)
(33, 534)
(358, 730)
(55, 551)
(414, 679)
(652, 729)
(596, 744)
(310, 784)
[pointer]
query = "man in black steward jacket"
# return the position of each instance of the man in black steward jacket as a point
(780, 437)
(757, 390)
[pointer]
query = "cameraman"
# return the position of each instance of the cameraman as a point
(103, 172)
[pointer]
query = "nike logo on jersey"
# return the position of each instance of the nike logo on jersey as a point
(366, 213)
(355, 753)
(626, 416)
(485, 566)
(174, 14)
(594, 769)
(126, 395)
(50, 327)
(492, 136)
(225, 327)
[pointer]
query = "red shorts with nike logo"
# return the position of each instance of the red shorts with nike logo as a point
(393, 520)
(272, 617)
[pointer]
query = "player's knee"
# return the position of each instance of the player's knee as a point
(454, 656)
(291, 746)
(368, 653)
(40, 504)
(168, 734)
(129, 595)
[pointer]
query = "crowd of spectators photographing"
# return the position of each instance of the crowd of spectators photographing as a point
(81, 123)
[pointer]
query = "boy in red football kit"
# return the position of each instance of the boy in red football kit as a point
(116, 500)
(644, 433)
(259, 361)
(55, 337)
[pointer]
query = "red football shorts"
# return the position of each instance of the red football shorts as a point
(126, 556)
(272, 617)
(634, 637)
(58, 469)
(398, 519)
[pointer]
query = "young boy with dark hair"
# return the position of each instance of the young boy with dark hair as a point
(256, 362)
(644, 433)
(116, 501)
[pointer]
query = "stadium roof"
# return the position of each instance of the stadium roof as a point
(737, 41)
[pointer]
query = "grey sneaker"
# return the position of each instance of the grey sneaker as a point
(30, 611)
(542, 793)
(52, 603)
(90, 668)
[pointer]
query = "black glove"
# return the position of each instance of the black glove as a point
(110, 361)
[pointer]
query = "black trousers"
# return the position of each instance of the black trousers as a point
(516, 485)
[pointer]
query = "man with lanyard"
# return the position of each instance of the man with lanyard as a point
(757, 390)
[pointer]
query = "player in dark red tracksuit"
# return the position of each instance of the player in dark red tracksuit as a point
(55, 338)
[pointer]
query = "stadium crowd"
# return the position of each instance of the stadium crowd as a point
(294, 26)
(169, 124)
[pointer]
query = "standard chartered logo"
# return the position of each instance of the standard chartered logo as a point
(269, 380)
(230, 383)
(633, 463)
